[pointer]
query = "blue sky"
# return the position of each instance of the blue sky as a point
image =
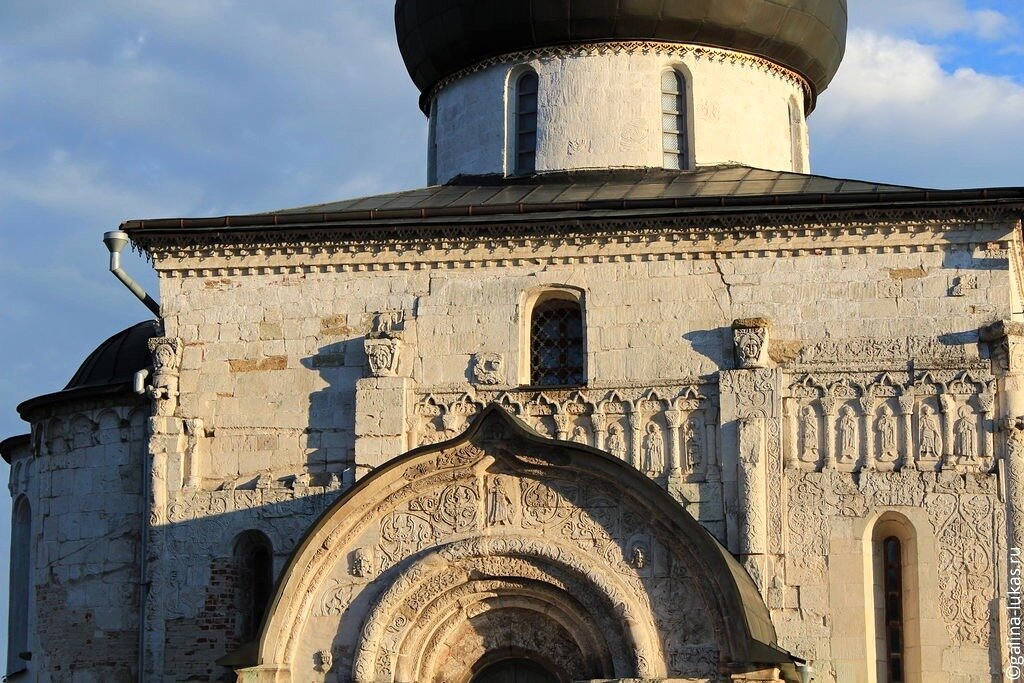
(119, 109)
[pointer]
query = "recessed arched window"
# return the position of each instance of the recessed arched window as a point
(892, 608)
(21, 585)
(525, 142)
(254, 564)
(674, 120)
(895, 636)
(557, 353)
(796, 136)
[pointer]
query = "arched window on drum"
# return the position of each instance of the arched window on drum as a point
(674, 120)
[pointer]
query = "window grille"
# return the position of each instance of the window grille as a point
(675, 145)
(892, 586)
(556, 344)
(526, 123)
(254, 563)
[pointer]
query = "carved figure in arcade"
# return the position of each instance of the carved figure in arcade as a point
(965, 435)
(616, 442)
(931, 434)
(888, 449)
(499, 505)
(579, 435)
(654, 450)
(808, 435)
(694, 445)
(847, 435)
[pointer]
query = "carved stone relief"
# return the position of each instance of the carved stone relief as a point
(167, 352)
(489, 368)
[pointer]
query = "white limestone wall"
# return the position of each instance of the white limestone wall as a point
(599, 108)
(271, 359)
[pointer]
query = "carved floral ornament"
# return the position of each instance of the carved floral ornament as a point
(504, 521)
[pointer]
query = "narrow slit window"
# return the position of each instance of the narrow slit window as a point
(556, 344)
(526, 123)
(796, 137)
(892, 588)
(674, 127)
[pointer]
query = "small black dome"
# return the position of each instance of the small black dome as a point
(439, 37)
(116, 360)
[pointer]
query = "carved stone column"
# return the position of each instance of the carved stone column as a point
(791, 440)
(907, 401)
(828, 409)
(381, 399)
(674, 420)
(168, 440)
(751, 409)
(1007, 345)
(562, 422)
(599, 421)
(867, 406)
(947, 404)
(636, 425)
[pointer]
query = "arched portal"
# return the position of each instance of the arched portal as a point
(502, 546)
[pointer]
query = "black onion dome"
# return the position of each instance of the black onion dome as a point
(439, 37)
(116, 360)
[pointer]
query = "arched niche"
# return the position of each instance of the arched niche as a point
(501, 541)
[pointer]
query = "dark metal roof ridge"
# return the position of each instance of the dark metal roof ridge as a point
(771, 202)
(80, 393)
(8, 445)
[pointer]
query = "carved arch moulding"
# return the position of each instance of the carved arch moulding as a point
(501, 541)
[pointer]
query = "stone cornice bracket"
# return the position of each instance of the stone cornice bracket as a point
(384, 344)
(1006, 341)
(167, 352)
(750, 338)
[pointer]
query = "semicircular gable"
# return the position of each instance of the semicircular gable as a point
(437, 545)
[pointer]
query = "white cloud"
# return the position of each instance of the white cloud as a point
(933, 17)
(895, 108)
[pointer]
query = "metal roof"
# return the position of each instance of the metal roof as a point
(603, 194)
(109, 369)
(440, 37)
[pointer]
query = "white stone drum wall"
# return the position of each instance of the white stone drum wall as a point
(86, 497)
(600, 107)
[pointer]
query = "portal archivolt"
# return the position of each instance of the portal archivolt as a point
(501, 545)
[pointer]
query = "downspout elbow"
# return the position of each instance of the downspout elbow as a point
(116, 241)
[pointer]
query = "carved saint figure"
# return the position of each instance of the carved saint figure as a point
(638, 559)
(499, 505)
(579, 435)
(887, 435)
(616, 442)
(808, 435)
(694, 445)
(362, 562)
(965, 435)
(847, 434)
(323, 660)
(654, 449)
(931, 437)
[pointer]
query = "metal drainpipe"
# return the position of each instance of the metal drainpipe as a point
(116, 241)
